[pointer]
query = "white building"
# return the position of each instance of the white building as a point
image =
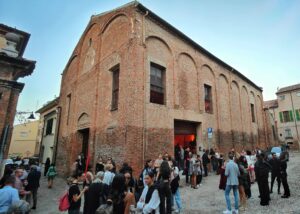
(48, 123)
(286, 114)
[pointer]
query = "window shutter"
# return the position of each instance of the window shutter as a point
(281, 117)
(291, 116)
(298, 115)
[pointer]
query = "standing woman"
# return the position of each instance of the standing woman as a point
(119, 197)
(74, 196)
(47, 165)
(165, 193)
(243, 183)
(193, 171)
(51, 175)
(175, 186)
(99, 165)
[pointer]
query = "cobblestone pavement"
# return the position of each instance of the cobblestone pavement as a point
(208, 199)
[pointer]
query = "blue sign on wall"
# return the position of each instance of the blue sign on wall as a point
(209, 132)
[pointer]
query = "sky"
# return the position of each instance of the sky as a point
(259, 38)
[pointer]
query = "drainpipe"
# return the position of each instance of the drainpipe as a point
(295, 119)
(56, 134)
(145, 91)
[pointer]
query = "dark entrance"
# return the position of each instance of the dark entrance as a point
(185, 134)
(84, 138)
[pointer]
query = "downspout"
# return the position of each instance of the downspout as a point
(145, 87)
(41, 143)
(56, 134)
(295, 118)
(230, 110)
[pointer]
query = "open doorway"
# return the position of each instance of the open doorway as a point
(185, 134)
(84, 139)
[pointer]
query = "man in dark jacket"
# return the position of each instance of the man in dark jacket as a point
(205, 161)
(275, 163)
(262, 169)
(283, 176)
(33, 180)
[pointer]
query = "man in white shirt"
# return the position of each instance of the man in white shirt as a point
(149, 200)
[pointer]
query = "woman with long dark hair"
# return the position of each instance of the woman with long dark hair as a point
(164, 190)
(120, 198)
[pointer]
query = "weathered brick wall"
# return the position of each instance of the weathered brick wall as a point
(8, 105)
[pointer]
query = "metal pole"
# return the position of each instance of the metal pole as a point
(295, 119)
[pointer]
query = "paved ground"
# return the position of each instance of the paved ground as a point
(208, 199)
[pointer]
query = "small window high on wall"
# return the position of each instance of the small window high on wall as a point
(68, 107)
(208, 99)
(157, 84)
(115, 87)
(252, 113)
(49, 127)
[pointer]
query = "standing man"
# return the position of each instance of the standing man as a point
(262, 169)
(275, 164)
(8, 194)
(33, 180)
(205, 161)
(283, 175)
(232, 172)
(187, 164)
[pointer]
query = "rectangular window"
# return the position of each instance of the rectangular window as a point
(208, 99)
(287, 116)
(282, 97)
(252, 113)
(49, 127)
(288, 133)
(157, 84)
(68, 107)
(115, 88)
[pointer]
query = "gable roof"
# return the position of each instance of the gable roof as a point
(270, 104)
(48, 105)
(288, 88)
(181, 35)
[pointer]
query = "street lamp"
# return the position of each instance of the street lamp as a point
(20, 115)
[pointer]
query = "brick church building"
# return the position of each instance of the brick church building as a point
(135, 86)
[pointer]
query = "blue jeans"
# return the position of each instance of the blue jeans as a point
(236, 196)
(177, 199)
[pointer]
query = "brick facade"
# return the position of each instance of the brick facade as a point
(133, 38)
(12, 67)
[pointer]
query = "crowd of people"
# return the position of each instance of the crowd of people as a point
(155, 190)
(243, 169)
(19, 186)
(111, 189)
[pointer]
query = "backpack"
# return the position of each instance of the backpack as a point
(64, 203)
